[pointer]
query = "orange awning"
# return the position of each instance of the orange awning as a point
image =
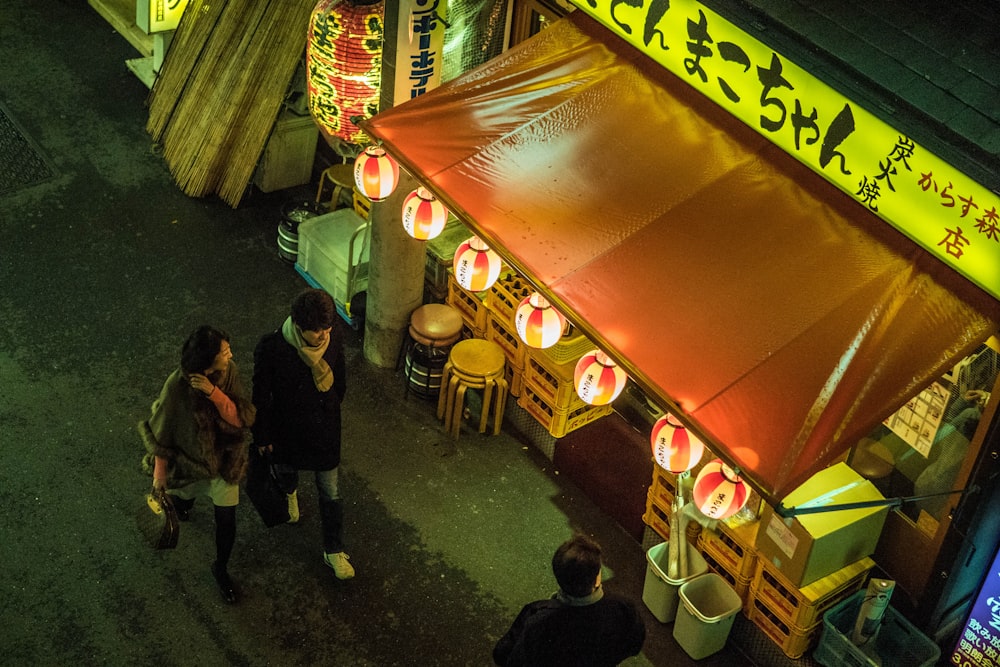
(782, 318)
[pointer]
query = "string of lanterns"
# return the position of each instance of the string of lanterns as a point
(718, 492)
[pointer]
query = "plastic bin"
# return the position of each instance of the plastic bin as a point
(898, 643)
(706, 615)
(659, 592)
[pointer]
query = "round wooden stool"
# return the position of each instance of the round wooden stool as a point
(473, 364)
(434, 328)
(341, 177)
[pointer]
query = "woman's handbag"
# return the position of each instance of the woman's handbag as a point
(265, 489)
(157, 520)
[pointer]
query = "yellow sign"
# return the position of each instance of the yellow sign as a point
(947, 213)
(165, 15)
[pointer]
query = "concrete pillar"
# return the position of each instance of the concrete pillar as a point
(395, 277)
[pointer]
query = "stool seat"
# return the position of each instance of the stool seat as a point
(872, 459)
(473, 364)
(433, 329)
(477, 357)
(341, 176)
(435, 324)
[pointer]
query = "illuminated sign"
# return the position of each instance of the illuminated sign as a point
(947, 213)
(419, 48)
(979, 643)
(164, 15)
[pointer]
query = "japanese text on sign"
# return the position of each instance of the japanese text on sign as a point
(947, 213)
(979, 643)
(419, 48)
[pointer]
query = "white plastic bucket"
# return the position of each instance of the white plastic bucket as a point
(659, 592)
(705, 617)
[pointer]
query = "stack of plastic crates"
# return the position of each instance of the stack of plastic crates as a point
(898, 642)
(793, 617)
(549, 394)
(659, 500)
(501, 301)
(729, 552)
(469, 305)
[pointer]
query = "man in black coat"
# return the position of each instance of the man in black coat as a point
(581, 625)
(298, 386)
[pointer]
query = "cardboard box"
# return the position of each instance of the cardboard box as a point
(808, 547)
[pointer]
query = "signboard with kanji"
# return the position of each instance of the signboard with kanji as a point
(947, 213)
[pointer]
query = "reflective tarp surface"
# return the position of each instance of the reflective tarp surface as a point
(782, 318)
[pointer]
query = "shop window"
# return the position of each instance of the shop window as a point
(533, 16)
(922, 448)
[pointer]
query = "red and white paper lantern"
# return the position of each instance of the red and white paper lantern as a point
(674, 448)
(476, 266)
(424, 216)
(719, 492)
(598, 379)
(538, 324)
(375, 173)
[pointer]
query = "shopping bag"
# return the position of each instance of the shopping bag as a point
(265, 490)
(157, 521)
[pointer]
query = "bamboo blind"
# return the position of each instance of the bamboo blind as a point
(221, 87)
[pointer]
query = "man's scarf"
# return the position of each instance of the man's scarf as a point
(310, 354)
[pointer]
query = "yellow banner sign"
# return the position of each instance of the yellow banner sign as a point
(943, 210)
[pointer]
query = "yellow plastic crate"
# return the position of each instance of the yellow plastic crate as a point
(657, 515)
(732, 547)
(804, 607)
(553, 382)
(503, 334)
(506, 294)
(793, 640)
(559, 422)
(469, 305)
(664, 486)
(570, 348)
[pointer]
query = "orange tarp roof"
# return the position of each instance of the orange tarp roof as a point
(779, 316)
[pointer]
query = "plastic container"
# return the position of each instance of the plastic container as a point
(705, 617)
(898, 643)
(659, 592)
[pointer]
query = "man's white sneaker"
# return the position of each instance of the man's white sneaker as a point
(293, 507)
(338, 562)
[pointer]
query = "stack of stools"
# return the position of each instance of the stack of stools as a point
(473, 364)
(434, 328)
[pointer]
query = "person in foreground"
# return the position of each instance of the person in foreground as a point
(579, 626)
(298, 386)
(197, 436)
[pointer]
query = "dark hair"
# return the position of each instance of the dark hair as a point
(201, 348)
(313, 310)
(576, 564)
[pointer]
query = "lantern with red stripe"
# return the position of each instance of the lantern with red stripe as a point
(375, 173)
(424, 216)
(719, 492)
(538, 324)
(476, 266)
(674, 448)
(598, 380)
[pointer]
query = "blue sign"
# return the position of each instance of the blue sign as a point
(979, 643)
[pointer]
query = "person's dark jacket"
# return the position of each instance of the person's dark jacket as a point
(301, 422)
(550, 633)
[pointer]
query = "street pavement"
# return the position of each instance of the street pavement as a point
(105, 266)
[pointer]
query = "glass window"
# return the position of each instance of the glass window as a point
(920, 450)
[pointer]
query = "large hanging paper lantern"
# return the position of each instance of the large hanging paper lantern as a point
(344, 67)
(538, 324)
(598, 380)
(375, 173)
(674, 448)
(424, 216)
(476, 266)
(719, 492)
